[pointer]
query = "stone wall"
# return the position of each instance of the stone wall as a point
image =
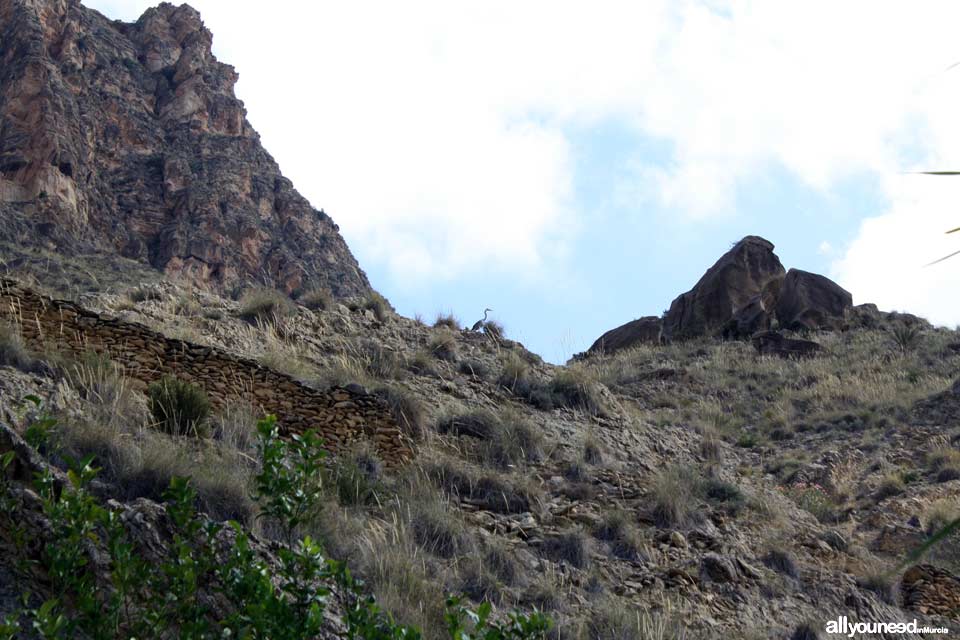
(340, 415)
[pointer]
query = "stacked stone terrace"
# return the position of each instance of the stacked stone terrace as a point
(339, 415)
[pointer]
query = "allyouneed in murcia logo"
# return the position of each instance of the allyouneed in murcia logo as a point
(844, 626)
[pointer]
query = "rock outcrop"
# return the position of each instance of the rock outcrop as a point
(646, 330)
(128, 138)
(748, 270)
(811, 301)
(745, 293)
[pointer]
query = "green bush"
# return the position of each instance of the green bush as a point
(167, 595)
(179, 407)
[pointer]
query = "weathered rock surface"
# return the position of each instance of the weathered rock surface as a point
(747, 270)
(646, 330)
(776, 344)
(128, 138)
(811, 301)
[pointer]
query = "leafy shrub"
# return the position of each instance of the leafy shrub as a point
(166, 596)
(179, 407)
(263, 305)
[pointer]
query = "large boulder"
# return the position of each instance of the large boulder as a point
(811, 301)
(646, 330)
(748, 270)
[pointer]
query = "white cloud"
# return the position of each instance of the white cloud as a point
(436, 132)
(889, 261)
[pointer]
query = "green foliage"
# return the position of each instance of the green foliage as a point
(906, 337)
(465, 624)
(168, 597)
(290, 483)
(179, 407)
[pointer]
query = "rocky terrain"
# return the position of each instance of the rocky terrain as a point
(127, 140)
(763, 458)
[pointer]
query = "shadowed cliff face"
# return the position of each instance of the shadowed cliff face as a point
(128, 138)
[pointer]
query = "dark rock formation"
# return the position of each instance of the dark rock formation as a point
(128, 138)
(776, 344)
(748, 270)
(646, 330)
(811, 301)
(750, 319)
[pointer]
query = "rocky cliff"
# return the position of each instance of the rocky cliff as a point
(128, 138)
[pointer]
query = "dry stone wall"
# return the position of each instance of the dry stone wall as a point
(340, 415)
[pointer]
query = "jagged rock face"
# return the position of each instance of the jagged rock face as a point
(646, 330)
(128, 138)
(748, 270)
(811, 301)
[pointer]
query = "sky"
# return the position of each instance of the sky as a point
(574, 166)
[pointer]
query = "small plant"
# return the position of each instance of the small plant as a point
(13, 351)
(616, 528)
(378, 305)
(673, 492)
(494, 329)
(514, 374)
(290, 483)
(570, 547)
(447, 320)
(891, 485)
(317, 300)
(406, 409)
(781, 562)
(435, 527)
(444, 346)
(179, 407)
(264, 305)
(812, 498)
(906, 337)
(575, 388)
